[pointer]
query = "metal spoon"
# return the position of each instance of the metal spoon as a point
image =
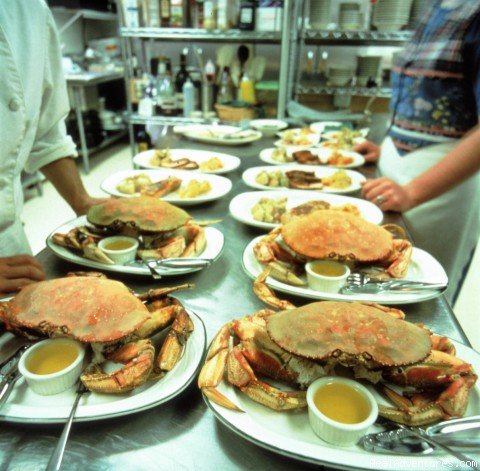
(57, 455)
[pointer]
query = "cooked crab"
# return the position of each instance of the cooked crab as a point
(163, 229)
(299, 345)
(330, 234)
(105, 314)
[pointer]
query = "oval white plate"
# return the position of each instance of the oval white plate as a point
(323, 153)
(213, 135)
(319, 126)
(242, 204)
(215, 242)
(230, 162)
(273, 125)
(220, 185)
(321, 172)
(423, 267)
(289, 432)
(24, 406)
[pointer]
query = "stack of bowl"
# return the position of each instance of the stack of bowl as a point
(319, 14)
(350, 18)
(391, 15)
(368, 67)
(418, 7)
(340, 75)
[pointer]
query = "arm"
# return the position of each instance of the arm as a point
(65, 178)
(459, 164)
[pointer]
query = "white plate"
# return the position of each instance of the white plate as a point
(321, 172)
(220, 185)
(311, 140)
(268, 127)
(290, 434)
(241, 205)
(334, 135)
(213, 135)
(323, 153)
(423, 267)
(230, 162)
(24, 406)
(215, 241)
(319, 126)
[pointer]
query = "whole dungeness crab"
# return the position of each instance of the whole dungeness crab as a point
(329, 234)
(166, 231)
(299, 345)
(105, 314)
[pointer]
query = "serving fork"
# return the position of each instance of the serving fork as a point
(362, 280)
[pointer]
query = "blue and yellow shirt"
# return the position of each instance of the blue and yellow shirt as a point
(436, 81)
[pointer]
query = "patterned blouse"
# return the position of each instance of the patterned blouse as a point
(436, 79)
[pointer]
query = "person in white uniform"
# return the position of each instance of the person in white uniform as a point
(33, 107)
(430, 159)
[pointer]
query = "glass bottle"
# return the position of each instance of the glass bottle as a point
(180, 79)
(246, 19)
(164, 13)
(188, 92)
(210, 14)
(166, 93)
(247, 90)
(177, 14)
(143, 140)
(226, 93)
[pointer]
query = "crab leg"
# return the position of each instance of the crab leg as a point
(400, 258)
(265, 294)
(138, 360)
(211, 374)
(78, 239)
(174, 344)
(173, 247)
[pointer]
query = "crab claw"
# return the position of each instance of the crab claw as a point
(265, 294)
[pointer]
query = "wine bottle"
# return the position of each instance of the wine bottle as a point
(180, 79)
(247, 15)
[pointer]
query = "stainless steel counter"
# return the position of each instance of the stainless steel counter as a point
(183, 433)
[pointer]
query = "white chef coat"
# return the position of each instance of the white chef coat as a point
(448, 226)
(33, 106)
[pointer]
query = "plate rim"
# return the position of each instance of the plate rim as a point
(123, 268)
(357, 175)
(364, 297)
(146, 406)
(270, 226)
(381, 459)
(224, 181)
(236, 159)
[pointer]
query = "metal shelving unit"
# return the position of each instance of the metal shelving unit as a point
(302, 36)
(191, 34)
(128, 35)
(380, 92)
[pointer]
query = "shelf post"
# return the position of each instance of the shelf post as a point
(284, 61)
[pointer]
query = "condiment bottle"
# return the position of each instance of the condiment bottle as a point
(188, 98)
(247, 90)
(210, 14)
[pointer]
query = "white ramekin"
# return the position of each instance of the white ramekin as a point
(334, 432)
(56, 382)
(120, 257)
(327, 284)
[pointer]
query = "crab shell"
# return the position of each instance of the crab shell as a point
(83, 308)
(145, 213)
(350, 331)
(340, 235)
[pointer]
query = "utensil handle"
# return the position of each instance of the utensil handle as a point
(57, 455)
(468, 462)
(6, 387)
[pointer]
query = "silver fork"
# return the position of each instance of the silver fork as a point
(361, 279)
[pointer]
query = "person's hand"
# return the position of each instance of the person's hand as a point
(387, 195)
(18, 271)
(369, 150)
(86, 203)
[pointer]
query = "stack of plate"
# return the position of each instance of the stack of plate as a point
(350, 18)
(368, 67)
(340, 76)
(391, 15)
(418, 7)
(319, 14)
